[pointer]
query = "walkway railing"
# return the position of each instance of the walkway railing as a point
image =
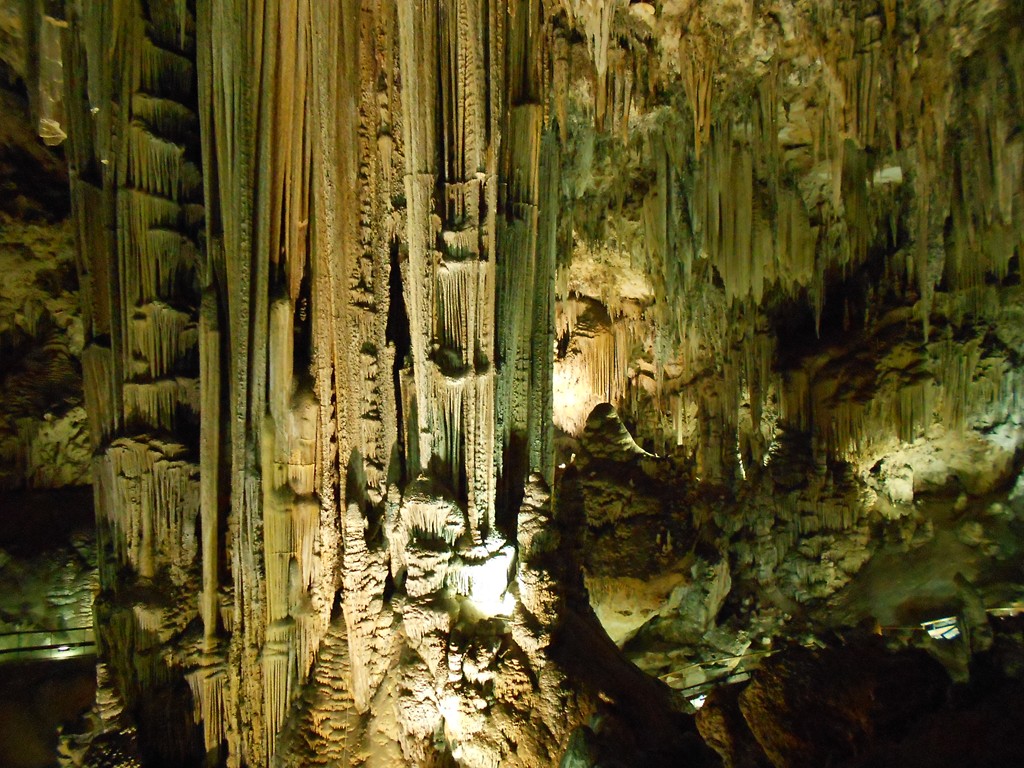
(40, 644)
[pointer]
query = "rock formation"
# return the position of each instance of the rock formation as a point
(431, 350)
(44, 439)
(300, 226)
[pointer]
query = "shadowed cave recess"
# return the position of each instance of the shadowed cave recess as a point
(528, 383)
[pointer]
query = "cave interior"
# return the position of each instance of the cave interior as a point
(511, 383)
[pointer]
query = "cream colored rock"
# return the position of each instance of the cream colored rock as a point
(625, 604)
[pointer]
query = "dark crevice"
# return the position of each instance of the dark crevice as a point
(396, 333)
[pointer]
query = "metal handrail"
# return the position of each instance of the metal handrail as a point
(51, 647)
(55, 630)
(47, 643)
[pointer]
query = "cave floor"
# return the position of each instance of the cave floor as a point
(911, 581)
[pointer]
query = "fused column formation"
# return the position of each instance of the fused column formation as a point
(319, 279)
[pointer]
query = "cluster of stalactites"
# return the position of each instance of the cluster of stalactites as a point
(450, 277)
(149, 495)
(138, 225)
(273, 320)
(857, 142)
(857, 401)
(138, 195)
(596, 364)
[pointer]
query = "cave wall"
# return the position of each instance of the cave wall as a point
(44, 440)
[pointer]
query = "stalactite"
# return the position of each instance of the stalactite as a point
(988, 174)
(149, 262)
(155, 404)
(465, 432)
(158, 337)
(302, 443)
(276, 684)
(163, 71)
(207, 686)
(455, 283)
(151, 498)
(155, 164)
(597, 17)
(540, 428)
(697, 62)
(280, 359)
(956, 368)
(450, 443)
(515, 291)
(277, 551)
(586, 379)
(305, 526)
(100, 394)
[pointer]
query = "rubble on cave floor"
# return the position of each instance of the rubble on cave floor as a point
(955, 558)
(700, 586)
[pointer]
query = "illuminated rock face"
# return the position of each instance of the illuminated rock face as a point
(44, 440)
(300, 228)
(791, 221)
(346, 267)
